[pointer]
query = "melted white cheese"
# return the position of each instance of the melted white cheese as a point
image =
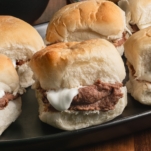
(4, 88)
(2, 93)
(62, 98)
(14, 62)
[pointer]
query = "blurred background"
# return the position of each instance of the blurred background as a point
(33, 11)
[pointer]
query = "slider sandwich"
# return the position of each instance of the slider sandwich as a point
(138, 13)
(88, 20)
(138, 54)
(10, 100)
(19, 41)
(79, 84)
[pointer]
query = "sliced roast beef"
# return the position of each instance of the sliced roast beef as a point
(100, 96)
(134, 28)
(20, 62)
(120, 42)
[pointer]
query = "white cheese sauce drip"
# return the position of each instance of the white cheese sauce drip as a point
(2, 93)
(14, 62)
(62, 98)
(4, 88)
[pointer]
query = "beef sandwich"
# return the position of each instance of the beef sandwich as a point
(19, 41)
(138, 54)
(88, 20)
(137, 12)
(79, 84)
(10, 100)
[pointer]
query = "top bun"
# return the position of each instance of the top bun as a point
(19, 40)
(73, 64)
(138, 53)
(86, 20)
(9, 80)
(137, 12)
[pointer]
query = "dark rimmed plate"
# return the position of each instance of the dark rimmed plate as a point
(28, 132)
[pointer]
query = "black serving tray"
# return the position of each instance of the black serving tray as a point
(28, 132)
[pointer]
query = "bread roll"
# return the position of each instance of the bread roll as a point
(19, 41)
(137, 13)
(65, 70)
(10, 101)
(137, 52)
(88, 20)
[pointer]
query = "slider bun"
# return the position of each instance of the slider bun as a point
(73, 120)
(137, 12)
(140, 90)
(8, 74)
(10, 113)
(54, 66)
(138, 53)
(19, 41)
(9, 82)
(86, 20)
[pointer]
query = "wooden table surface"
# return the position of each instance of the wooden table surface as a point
(140, 141)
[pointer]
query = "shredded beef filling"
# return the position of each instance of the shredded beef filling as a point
(5, 99)
(100, 96)
(20, 62)
(131, 69)
(135, 28)
(120, 42)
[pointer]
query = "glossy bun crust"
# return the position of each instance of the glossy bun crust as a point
(86, 20)
(19, 41)
(54, 66)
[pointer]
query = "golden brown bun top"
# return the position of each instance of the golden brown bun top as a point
(18, 36)
(72, 64)
(86, 20)
(138, 53)
(8, 74)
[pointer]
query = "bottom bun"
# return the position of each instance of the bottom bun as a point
(73, 120)
(9, 114)
(139, 90)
